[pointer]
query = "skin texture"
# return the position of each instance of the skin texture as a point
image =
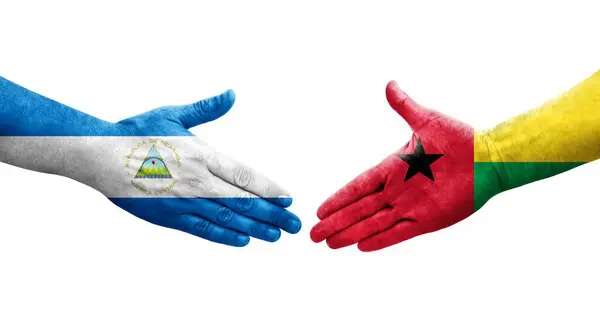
(388, 203)
(398, 199)
(236, 202)
(557, 136)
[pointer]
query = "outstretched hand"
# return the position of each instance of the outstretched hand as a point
(425, 186)
(216, 198)
(150, 165)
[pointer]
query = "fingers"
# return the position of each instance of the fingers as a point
(379, 222)
(365, 184)
(250, 205)
(226, 217)
(191, 115)
(205, 229)
(247, 179)
(413, 113)
(402, 231)
(347, 216)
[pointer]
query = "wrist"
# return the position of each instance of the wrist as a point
(26, 113)
(489, 175)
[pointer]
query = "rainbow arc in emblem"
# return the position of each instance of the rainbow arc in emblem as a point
(154, 167)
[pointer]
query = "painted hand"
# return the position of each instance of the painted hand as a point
(150, 165)
(214, 197)
(427, 185)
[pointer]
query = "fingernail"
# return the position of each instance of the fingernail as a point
(273, 234)
(294, 226)
(242, 240)
(285, 200)
(315, 234)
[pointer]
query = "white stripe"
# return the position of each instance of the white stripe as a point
(110, 164)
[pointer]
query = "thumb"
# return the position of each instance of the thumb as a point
(191, 115)
(413, 113)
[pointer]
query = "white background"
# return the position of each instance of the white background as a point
(310, 113)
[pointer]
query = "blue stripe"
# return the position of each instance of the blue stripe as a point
(225, 212)
(26, 113)
(224, 220)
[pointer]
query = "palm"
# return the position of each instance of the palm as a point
(423, 187)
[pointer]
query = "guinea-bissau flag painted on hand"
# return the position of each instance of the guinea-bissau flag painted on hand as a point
(556, 137)
(448, 170)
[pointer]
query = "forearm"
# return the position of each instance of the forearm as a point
(39, 134)
(29, 128)
(555, 137)
(26, 113)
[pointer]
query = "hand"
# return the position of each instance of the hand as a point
(151, 165)
(425, 186)
(215, 197)
(180, 182)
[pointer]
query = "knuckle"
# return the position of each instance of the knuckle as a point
(212, 160)
(198, 183)
(260, 230)
(200, 108)
(202, 184)
(272, 216)
(255, 228)
(265, 191)
(243, 177)
(224, 216)
(376, 225)
(203, 228)
(244, 202)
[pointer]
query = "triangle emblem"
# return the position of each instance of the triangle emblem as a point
(154, 167)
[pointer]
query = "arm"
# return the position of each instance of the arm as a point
(150, 165)
(557, 136)
(448, 170)
(25, 113)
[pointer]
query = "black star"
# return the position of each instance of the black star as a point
(419, 162)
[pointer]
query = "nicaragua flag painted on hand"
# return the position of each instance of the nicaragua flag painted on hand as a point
(149, 165)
